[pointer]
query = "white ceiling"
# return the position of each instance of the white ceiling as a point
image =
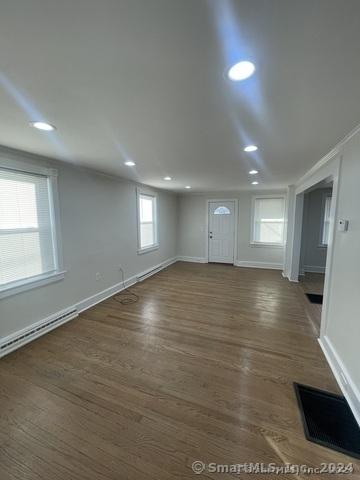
(144, 79)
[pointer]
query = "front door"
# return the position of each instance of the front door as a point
(221, 231)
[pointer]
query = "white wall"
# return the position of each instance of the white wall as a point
(340, 324)
(99, 232)
(193, 235)
(343, 318)
(313, 255)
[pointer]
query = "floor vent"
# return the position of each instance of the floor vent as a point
(25, 337)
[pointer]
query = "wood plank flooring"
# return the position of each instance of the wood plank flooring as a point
(200, 368)
(312, 283)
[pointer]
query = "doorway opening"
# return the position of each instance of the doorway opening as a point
(315, 233)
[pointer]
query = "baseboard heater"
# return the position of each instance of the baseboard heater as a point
(21, 338)
(149, 273)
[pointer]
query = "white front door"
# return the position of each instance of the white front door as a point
(221, 231)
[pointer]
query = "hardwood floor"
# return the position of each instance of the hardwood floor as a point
(312, 283)
(200, 368)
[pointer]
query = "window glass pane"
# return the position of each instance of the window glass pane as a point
(26, 235)
(270, 232)
(222, 211)
(147, 235)
(269, 220)
(146, 208)
(17, 204)
(20, 256)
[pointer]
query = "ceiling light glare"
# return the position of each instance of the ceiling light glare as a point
(47, 127)
(241, 71)
(250, 148)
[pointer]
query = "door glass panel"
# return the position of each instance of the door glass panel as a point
(222, 211)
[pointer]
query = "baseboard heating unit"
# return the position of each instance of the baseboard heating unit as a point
(20, 338)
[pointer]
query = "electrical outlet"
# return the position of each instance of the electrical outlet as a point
(98, 277)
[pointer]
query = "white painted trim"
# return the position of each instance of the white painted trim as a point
(314, 269)
(118, 287)
(78, 307)
(345, 382)
(19, 166)
(253, 242)
(192, 259)
(34, 326)
(148, 249)
(236, 226)
(331, 170)
(29, 283)
(51, 175)
(329, 156)
(150, 193)
(266, 265)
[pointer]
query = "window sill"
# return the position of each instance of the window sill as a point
(147, 249)
(321, 245)
(267, 245)
(33, 282)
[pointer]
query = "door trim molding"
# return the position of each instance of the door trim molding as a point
(236, 215)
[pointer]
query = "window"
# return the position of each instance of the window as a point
(147, 216)
(222, 211)
(268, 220)
(325, 227)
(27, 230)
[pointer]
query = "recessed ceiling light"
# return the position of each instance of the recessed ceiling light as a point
(241, 70)
(187, 186)
(43, 126)
(254, 183)
(167, 178)
(253, 172)
(130, 163)
(250, 148)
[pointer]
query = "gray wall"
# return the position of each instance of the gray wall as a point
(193, 235)
(313, 256)
(99, 233)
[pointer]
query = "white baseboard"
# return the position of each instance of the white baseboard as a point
(118, 287)
(313, 269)
(266, 265)
(345, 382)
(79, 307)
(192, 259)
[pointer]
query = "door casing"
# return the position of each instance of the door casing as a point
(236, 203)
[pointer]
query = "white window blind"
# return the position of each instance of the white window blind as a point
(147, 219)
(326, 221)
(26, 232)
(269, 215)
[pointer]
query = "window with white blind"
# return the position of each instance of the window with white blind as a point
(325, 227)
(28, 251)
(268, 226)
(147, 222)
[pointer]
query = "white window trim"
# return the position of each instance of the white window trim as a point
(155, 246)
(323, 206)
(254, 243)
(58, 273)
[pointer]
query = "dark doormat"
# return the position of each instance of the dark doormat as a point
(328, 420)
(315, 298)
